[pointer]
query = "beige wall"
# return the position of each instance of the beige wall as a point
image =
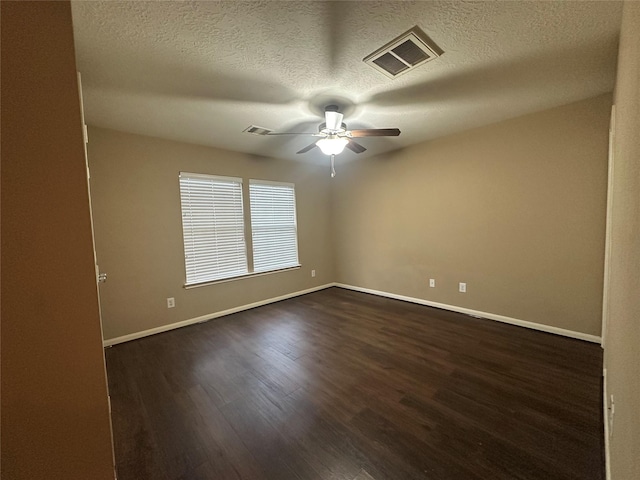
(136, 208)
(622, 339)
(516, 210)
(55, 417)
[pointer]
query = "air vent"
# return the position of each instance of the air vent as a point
(406, 52)
(257, 130)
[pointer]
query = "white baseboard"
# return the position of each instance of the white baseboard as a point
(210, 316)
(453, 308)
(476, 313)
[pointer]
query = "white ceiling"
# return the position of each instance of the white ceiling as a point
(201, 72)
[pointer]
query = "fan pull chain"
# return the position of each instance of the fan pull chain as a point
(333, 166)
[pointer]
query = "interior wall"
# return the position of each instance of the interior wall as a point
(138, 228)
(622, 340)
(55, 413)
(516, 210)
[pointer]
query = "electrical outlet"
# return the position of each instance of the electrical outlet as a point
(171, 302)
(462, 287)
(432, 282)
(313, 273)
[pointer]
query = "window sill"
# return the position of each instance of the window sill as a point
(239, 277)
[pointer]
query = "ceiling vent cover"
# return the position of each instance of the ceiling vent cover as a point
(406, 52)
(257, 130)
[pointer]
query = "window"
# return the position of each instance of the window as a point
(273, 225)
(212, 227)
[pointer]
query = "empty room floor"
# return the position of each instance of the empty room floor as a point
(344, 385)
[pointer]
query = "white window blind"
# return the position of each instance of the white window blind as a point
(213, 227)
(273, 225)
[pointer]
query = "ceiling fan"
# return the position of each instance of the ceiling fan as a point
(334, 135)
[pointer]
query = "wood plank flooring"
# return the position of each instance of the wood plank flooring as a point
(348, 386)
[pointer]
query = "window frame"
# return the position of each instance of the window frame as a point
(215, 233)
(253, 181)
(247, 229)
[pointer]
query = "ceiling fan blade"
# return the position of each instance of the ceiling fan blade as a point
(255, 130)
(355, 147)
(333, 120)
(307, 148)
(375, 132)
(309, 134)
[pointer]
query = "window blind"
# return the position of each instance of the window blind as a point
(212, 227)
(273, 225)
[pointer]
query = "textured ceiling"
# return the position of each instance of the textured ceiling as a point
(201, 72)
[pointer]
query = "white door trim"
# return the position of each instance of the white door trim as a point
(607, 242)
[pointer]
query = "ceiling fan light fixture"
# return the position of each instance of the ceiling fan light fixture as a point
(332, 145)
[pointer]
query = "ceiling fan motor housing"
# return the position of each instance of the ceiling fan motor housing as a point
(322, 128)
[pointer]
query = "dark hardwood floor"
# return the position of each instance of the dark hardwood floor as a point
(344, 385)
